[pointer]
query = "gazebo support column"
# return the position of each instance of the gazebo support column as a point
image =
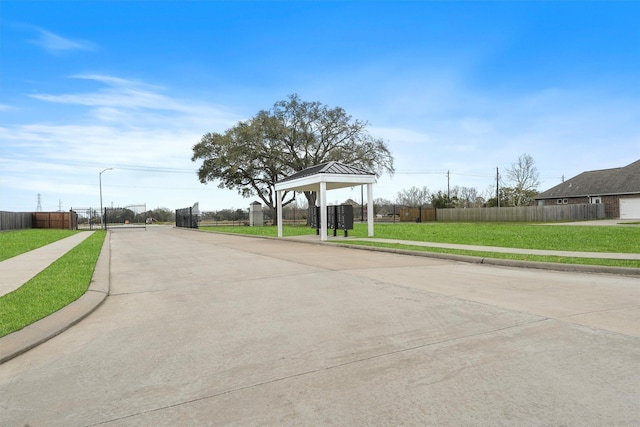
(370, 210)
(279, 210)
(323, 211)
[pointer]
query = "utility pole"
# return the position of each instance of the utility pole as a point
(59, 205)
(448, 192)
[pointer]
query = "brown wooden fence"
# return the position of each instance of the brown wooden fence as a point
(524, 213)
(15, 220)
(61, 220)
(419, 214)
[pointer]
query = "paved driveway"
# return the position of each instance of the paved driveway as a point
(206, 329)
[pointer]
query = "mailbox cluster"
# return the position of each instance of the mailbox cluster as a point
(338, 218)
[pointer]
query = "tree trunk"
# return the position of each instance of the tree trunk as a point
(311, 198)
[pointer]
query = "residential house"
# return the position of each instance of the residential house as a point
(618, 189)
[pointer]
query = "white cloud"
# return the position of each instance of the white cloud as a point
(141, 131)
(475, 125)
(134, 103)
(56, 44)
(399, 135)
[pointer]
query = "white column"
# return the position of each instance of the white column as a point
(279, 210)
(370, 209)
(323, 211)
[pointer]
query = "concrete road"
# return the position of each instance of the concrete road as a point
(206, 329)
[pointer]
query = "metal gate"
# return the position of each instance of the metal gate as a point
(187, 218)
(131, 216)
(88, 218)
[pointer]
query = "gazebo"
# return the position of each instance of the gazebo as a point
(323, 177)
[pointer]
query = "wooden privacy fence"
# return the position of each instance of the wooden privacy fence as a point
(61, 220)
(26, 220)
(524, 213)
(419, 214)
(15, 220)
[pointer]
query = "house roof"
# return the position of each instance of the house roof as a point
(336, 175)
(604, 182)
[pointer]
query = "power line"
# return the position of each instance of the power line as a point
(444, 172)
(419, 172)
(160, 188)
(155, 169)
(140, 168)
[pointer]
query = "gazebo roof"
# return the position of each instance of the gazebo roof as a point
(334, 174)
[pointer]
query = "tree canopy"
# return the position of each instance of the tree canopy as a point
(523, 177)
(413, 196)
(254, 154)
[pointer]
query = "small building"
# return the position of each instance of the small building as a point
(618, 189)
(324, 177)
(256, 215)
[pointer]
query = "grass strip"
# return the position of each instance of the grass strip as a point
(500, 255)
(509, 235)
(58, 285)
(269, 231)
(519, 235)
(17, 242)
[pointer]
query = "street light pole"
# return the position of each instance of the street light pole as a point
(101, 209)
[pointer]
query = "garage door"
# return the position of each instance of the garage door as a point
(630, 208)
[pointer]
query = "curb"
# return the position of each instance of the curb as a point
(19, 342)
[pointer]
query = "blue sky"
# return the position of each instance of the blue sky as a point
(451, 86)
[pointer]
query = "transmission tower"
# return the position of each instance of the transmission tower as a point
(39, 208)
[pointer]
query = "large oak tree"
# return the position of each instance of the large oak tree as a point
(254, 154)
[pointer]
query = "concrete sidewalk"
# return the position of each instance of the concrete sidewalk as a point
(16, 271)
(478, 248)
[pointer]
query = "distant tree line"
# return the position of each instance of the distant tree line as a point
(162, 215)
(518, 189)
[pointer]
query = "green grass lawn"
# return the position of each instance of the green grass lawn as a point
(17, 242)
(61, 283)
(525, 236)
(269, 231)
